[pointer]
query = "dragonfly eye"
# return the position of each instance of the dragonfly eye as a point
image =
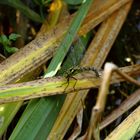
(71, 70)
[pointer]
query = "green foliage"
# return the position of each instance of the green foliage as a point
(14, 36)
(7, 43)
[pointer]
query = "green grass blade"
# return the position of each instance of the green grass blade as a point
(33, 124)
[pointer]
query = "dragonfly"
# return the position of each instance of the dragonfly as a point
(71, 65)
(78, 69)
(75, 70)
